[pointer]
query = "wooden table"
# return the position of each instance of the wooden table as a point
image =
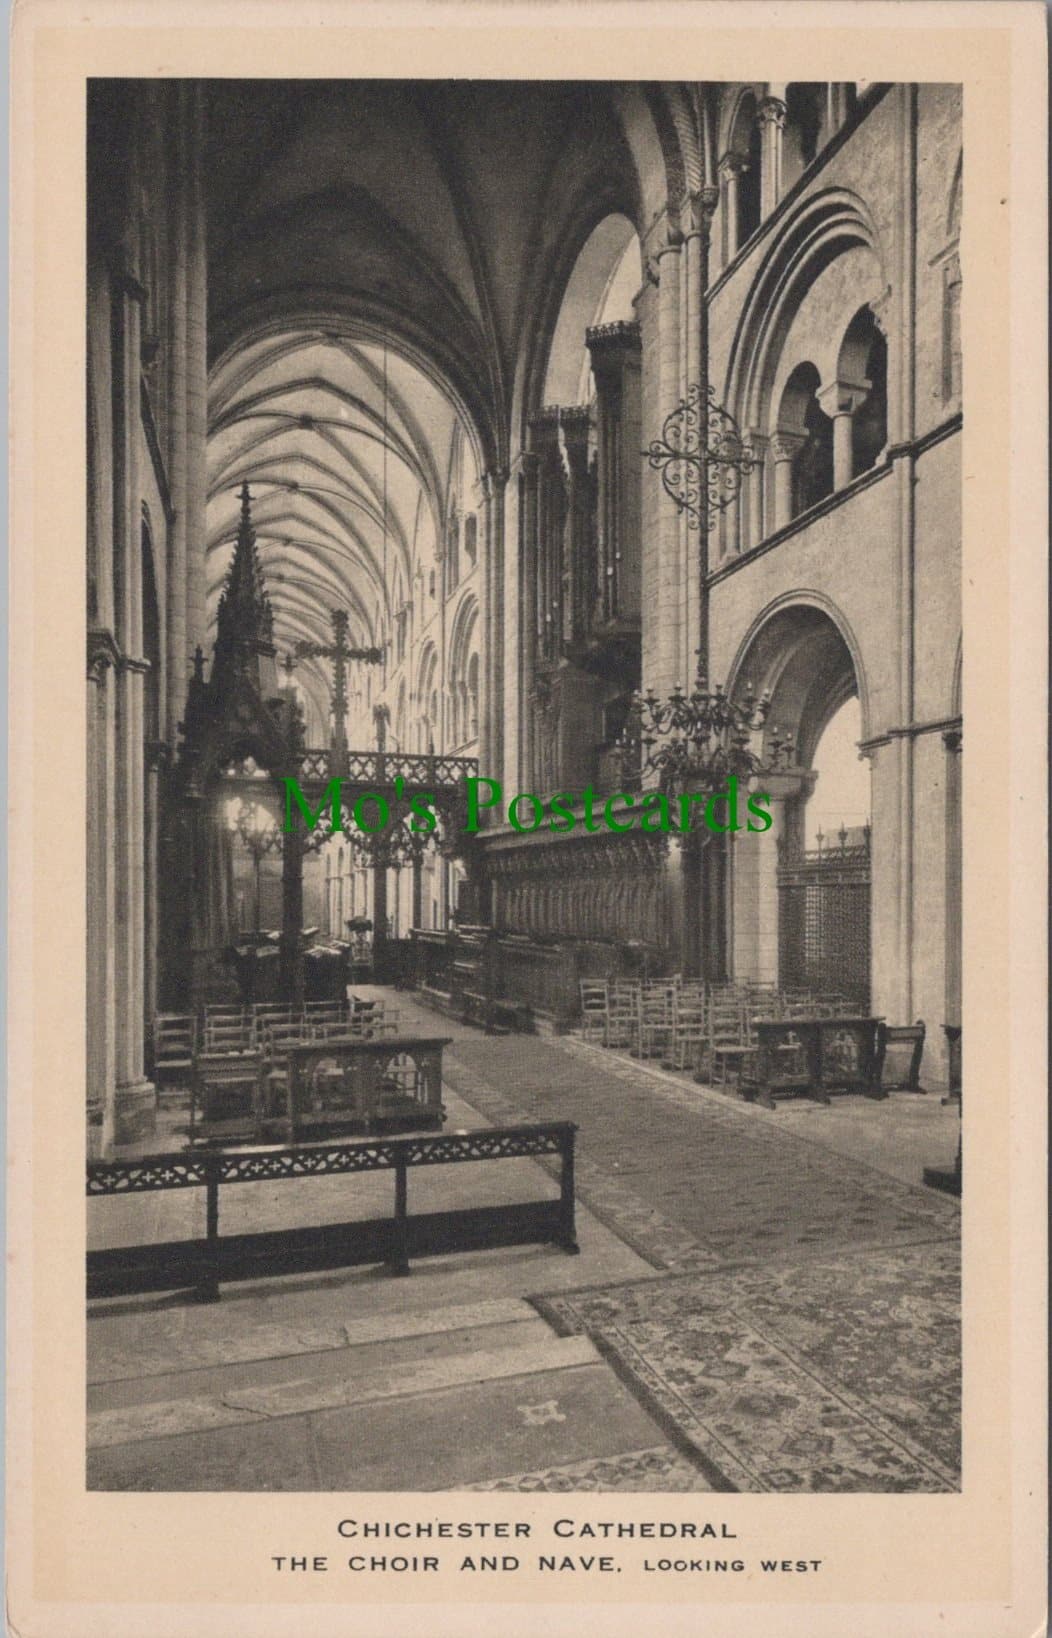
(810, 1057)
(368, 1084)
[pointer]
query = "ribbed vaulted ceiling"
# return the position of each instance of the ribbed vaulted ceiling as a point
(381, 257)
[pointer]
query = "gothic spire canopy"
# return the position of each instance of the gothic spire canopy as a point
(242, 702)
(245, 619)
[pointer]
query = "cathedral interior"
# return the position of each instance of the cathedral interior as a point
(592, 438)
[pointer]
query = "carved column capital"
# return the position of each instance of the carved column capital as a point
(772, 111)
(784, 445)
(103, 654)
(698, 210)
(494, 482)
(732, 165)
(843, 397)
(673, 231)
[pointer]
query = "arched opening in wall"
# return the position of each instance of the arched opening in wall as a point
(601, 289)
(741, 180)
(399, 718)
(801, 899)
(750, 180)
(839, 805)
(582, 610)
(473, 697)
(863, 368)
(462, 704)
(805, 433)
(951, 294)
(806, 108)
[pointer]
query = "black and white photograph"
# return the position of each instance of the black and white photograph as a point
(524, 768)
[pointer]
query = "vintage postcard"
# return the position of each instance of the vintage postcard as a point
(528, 970)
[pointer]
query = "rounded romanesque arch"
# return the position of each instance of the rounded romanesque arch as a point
(801, 908)
(776, 329)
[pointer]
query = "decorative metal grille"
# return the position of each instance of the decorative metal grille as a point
(823, 920)
(180, 1171)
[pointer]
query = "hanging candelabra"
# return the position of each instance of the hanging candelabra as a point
(694, 742)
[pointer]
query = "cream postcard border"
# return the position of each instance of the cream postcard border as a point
(81, 1564)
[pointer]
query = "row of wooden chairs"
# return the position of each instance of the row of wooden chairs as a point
(180, 1038)
(689, 1025)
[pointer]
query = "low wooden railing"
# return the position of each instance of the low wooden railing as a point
(201, 1264)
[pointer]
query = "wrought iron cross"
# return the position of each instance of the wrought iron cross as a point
(701, 456)
(341, 653)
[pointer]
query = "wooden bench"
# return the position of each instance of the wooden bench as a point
(496, 1013)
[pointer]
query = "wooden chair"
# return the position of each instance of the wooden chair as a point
(226, 1029)
(900, 1071)
(263, 1013)
(730, 1042)
(226, 1095)
(623, 1013)
(656, 1018)
(369, 1018)
(595, 1009)
(174, 1045)
(690, 1030)
(327, 1012)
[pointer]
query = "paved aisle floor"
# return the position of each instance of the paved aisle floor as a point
(764, 1301)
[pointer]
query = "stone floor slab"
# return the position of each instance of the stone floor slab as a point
(467, 1435)
(312, 1391)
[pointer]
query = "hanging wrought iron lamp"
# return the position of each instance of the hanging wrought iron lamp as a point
(695, 741)
(701, 457)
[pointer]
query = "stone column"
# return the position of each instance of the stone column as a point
(491, 735)
(752, 500)
(840, 104)
(771, 116)
(952, 741)
(703, 206)
(841, 401)
(902, 416)
(134, 1104)
(729, 171)
(196, 372)
(101, 1000)
(292, 916)
(575, 422)
(528, 479)
(755, 879)
(784, 447)
(670, 588)
(176, 579)
(155, 754)
(417, 912)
